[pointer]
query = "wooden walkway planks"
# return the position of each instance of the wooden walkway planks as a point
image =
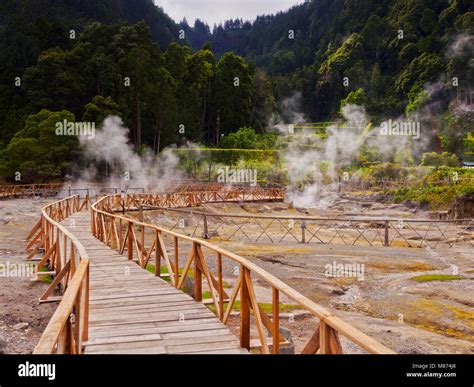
(134, 312)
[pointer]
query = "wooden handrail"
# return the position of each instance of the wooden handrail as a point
(8, 191)
(69, 262)
(62, 335)
(104, 227)
(55, 210)
(59, 336)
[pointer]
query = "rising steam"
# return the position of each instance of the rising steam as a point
(124, 167)
(315, 164)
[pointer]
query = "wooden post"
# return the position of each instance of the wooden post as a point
(276, 321)
(57, 261)
(244, 312)
(176, 261)
(197, 276)
(92, 223)
(120, 234)
(72, 258)
(62, 340)
(334, 342)
(220, 287)
(157, 256)
(65, 248)
(312, 346)
(206, 231)
(324, 338)
(50, 235)
(76, 333)
(303, 234)
(386, 241)
(142, 247)
(130, 242)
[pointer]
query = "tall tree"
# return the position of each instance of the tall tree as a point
(233, 93)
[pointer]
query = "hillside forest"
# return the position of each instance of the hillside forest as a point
(228, 86)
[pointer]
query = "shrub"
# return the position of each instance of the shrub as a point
(389, 171)
(440, 159)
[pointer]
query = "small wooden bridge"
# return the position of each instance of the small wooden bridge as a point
(27, 190)
(59, 190)
(110, 303)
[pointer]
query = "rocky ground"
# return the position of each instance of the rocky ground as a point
(22, 318)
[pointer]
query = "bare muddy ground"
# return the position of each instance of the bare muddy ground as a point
(22, 318)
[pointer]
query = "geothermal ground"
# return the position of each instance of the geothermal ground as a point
(387, 304)
(22, 318)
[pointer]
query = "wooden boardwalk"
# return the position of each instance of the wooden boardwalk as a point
(134, 312)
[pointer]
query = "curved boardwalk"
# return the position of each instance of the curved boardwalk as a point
(129, 310)
(132, 311)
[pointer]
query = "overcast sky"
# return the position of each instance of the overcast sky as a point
(215, 11)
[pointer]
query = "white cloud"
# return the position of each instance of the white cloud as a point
(216, 11)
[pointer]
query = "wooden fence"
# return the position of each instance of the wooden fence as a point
(362, 230)
(27, 190)
(145, 243)
(67, 261)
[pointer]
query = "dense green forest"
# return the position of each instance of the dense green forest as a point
(172, 83)
(360, 40)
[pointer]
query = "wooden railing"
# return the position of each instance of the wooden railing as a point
(69, 326)
(146, 243)
(21, 190)
(60, 190)
(41, 236)
(197, 198)
(67, 261)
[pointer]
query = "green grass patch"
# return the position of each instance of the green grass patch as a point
(470, 271)
(436, 277)
(45, 278)
(164, 270)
